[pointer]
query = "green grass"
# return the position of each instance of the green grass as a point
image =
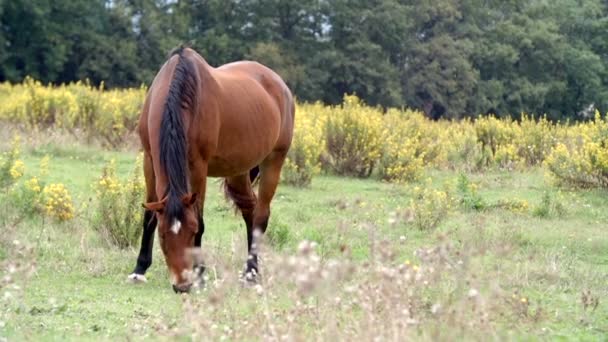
(78, 290)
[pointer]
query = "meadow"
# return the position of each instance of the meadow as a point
(387, 226)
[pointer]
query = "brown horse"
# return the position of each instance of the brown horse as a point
(197, 121)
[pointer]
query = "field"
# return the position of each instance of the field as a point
(531, 264)
(387, 226)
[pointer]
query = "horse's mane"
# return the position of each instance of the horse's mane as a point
(173, 144)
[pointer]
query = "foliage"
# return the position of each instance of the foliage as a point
(107, 115)
(448, 59)
(402, 154)
(353, 135)
(29, 196)
(429, 207)
(58, 202)
(581, 158)
(468, 195)
(118, 214)
(11, 167)
(551, 205)
(303, 158)
(350, 139)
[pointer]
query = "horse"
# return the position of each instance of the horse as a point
(233, 122)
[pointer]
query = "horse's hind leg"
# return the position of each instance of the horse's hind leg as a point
(239, 190)
(270, 173)
(144, 259)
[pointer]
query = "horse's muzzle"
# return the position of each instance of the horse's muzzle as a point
(182, 288)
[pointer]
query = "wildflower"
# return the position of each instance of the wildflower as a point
(18, 169)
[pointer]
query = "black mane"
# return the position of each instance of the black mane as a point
(173, 144)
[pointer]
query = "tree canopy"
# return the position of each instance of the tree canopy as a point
(450, 58)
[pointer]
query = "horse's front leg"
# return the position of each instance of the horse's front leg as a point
(199, 185)
(144, 259)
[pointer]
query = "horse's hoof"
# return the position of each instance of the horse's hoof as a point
(135, 278)
(249, 279)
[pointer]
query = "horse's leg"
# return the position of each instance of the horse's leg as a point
(240, 191)
(144, 260)
(270, 172)
(199, 185)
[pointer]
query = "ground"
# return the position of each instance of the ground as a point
(524, 276)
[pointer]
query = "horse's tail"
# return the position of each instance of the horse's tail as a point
(173, 143)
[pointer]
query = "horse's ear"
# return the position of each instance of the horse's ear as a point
(189, 199)
(155, 206)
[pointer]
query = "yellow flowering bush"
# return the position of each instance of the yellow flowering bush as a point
(349, 139)
(536, 140)
(303, 158)
(402, 156)
(582, 158)
(11, 167)
(506, 156)
(462, 148)
(354, 138)
(107, 115)
(118, 214)
(492, 132)
(28, 196)
(118, 114)
(58, 202)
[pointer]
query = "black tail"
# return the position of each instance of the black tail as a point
(173, 144)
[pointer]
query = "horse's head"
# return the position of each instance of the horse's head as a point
(177, 237)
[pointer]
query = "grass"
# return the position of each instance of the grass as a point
(487, 274)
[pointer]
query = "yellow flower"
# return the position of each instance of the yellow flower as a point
(18, 169)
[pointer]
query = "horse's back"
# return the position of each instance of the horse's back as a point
(256, 111)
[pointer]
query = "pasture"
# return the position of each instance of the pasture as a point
(506, 256)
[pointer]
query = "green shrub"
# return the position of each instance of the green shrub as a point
(429, 207)
(551, 205)
(468, 196)
(118, 215)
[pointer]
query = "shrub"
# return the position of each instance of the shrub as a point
(110, 116)
(353, 136)
(11, 167)
(118, 215)
(537, 139)
(551, 205)
(429, 207)
(468, 196)
(492, 132)
(118, 114)
(463, 150)
(402, 157)
(303, 158)
(507, 157)
(581, 160)
(27, 197)
(58, 202)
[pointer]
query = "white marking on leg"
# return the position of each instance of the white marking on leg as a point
(137, 278)
(176, 226)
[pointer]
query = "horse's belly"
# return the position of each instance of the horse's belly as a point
(228, 167)
(240, 153)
